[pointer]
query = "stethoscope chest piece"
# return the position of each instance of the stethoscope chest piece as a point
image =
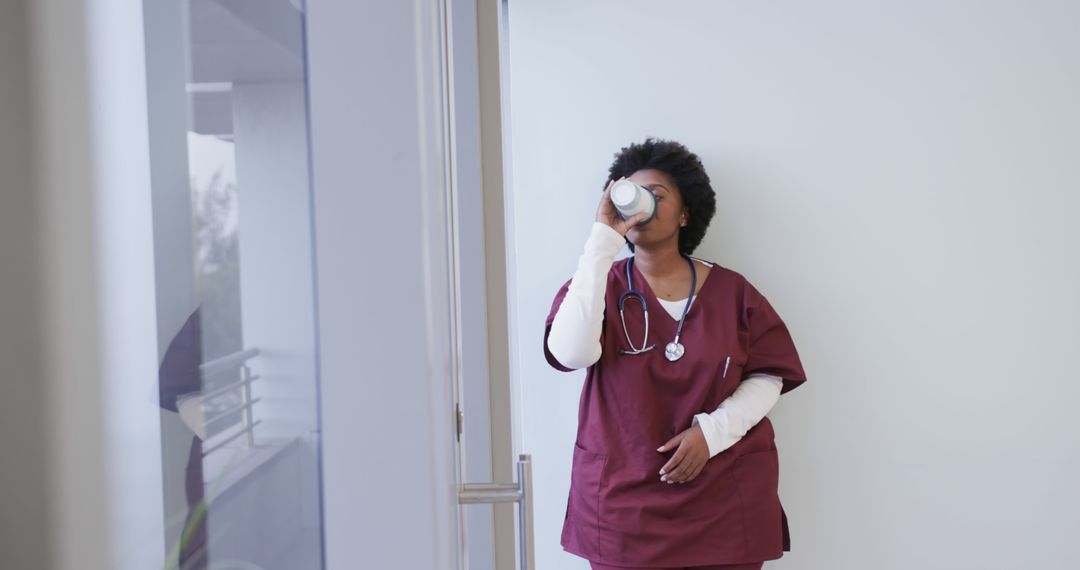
(674, 351)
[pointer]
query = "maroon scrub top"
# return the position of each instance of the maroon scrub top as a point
(619, 512)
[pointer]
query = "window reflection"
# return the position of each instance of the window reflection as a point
(235, 306)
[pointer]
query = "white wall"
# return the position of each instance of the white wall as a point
(382, 282)
(124, 257)
(899, 179)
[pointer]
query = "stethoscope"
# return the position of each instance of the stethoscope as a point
(674, 349)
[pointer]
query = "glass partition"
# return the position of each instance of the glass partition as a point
(234, 282)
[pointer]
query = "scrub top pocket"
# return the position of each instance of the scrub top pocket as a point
(583, 508)
(757, 477)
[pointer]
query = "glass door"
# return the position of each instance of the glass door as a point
(226, 87)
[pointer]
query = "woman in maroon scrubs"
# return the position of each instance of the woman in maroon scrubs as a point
(632, 504)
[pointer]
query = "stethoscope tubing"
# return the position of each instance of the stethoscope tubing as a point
(632, 293)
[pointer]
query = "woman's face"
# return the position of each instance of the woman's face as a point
(670, 216)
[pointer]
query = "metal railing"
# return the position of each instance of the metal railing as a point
(240, 386)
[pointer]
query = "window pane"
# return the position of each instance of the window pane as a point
(235, 298)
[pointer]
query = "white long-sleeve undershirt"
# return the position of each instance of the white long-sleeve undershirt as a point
(574, 341)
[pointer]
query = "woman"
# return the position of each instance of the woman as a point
(706, 498)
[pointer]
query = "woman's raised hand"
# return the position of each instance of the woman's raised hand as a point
(607, 214)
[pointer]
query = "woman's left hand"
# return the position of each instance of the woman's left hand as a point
(689, 458)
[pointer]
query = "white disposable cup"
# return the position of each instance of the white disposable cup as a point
(631, 199)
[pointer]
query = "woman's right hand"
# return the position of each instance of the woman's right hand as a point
(607, 214)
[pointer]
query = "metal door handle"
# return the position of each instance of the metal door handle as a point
(520, 493)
